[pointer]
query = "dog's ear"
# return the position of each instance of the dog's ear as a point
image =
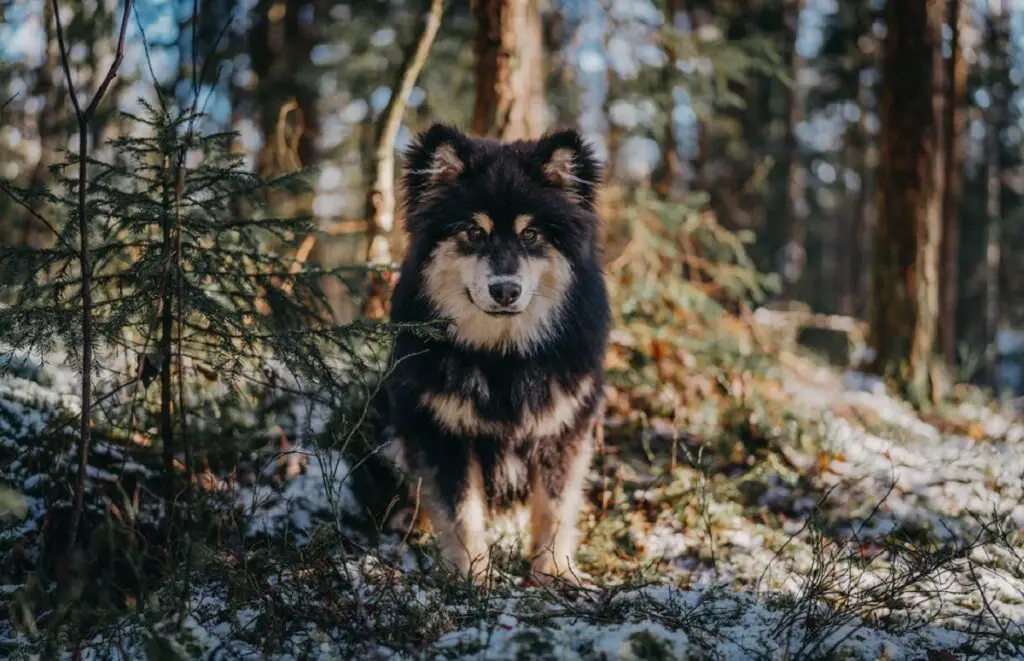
(436, 157)
(566, 161)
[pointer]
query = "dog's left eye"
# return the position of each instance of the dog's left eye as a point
(528, 235)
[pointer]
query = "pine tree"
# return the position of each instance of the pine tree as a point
(905, 294)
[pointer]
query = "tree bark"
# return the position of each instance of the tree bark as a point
(998, 112)
(668, 175)
(796, 209)
(166, 356)
(510, 71)
(48, 123)
(866, 211)
(281, 42)
(845, 252)
(956, 82)
(905, 288)
(867, 206)
(562, 83)
(700, 16)
(613, 141)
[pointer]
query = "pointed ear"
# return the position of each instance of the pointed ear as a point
(567, 161)
(435, 157)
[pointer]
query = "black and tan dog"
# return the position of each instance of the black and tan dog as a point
(503, 410)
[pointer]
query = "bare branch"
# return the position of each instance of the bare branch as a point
(149, 61)
(111, 72)
(391, 120)
(336, 228)
(380, 200)
(65, 61)
(114, 66)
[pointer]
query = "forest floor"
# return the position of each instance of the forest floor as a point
(751, 502)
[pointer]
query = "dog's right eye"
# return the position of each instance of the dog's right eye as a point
(475, 234)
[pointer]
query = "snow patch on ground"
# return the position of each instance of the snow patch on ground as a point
(316, 494)
(744, 608)
(656, 623)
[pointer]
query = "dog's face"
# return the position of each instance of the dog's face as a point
(501, 264)
(500, 230)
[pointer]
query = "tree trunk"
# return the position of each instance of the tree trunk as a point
(867, 206)
(998, 112)
(905, 288)
(564, 89)
(166, 356)
(280, 44)
(846, 229)
(668, 174)
(700, 16)
(956, 81)
(48, 123)
(866, 211)
(613, 140)
(796, 209)
(510, 71)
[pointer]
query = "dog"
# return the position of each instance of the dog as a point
(501, 407)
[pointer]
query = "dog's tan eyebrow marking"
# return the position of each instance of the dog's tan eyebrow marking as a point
(484, 221)
(522, 221)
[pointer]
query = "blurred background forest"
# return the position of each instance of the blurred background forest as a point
(812, 213)
(770, 108)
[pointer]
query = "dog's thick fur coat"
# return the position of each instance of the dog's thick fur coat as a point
(503, 244)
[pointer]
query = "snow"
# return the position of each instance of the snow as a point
(757, 599)
(664, 622)
(322, 489)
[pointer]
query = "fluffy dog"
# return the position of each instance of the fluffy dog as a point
(503, 409)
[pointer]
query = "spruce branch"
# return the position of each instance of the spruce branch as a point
(27, 207)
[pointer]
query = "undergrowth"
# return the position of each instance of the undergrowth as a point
(726, 515)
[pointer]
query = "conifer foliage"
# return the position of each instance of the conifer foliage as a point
(195, 285)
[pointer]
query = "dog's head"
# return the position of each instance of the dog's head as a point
(501, 230)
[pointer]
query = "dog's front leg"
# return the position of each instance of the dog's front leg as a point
(555, 501)
(456, 503)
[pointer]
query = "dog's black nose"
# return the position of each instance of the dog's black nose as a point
(504, 293)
